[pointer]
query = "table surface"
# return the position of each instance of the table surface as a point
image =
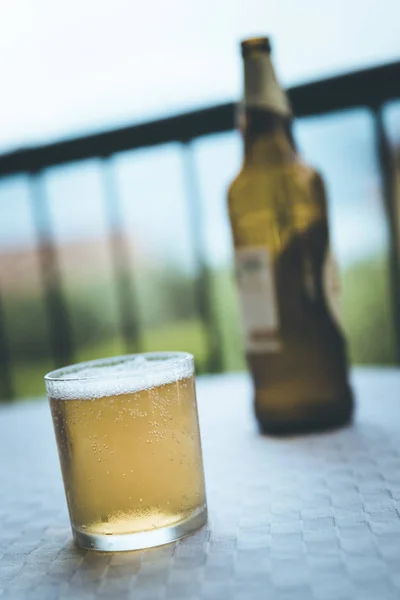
(312, 517)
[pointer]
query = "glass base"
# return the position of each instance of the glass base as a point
(144, 539)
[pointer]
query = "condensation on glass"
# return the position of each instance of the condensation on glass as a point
(129, 444)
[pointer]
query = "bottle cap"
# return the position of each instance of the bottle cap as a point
(255, 44)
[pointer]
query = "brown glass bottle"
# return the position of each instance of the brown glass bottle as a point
(285, 271)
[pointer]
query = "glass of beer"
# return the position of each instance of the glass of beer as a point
(129, 444)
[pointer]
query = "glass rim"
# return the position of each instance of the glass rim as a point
(63, 374)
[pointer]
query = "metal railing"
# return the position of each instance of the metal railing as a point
(371, 88)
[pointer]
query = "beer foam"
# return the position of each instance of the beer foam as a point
(119, 375)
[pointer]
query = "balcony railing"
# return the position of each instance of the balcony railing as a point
(370, 88)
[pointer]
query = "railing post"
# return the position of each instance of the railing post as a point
(128, 313)
(61, 341)
(203, 290)
(6, 373)
(387, 171)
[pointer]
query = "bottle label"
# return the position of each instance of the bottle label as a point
(257, 294)
(331, 287)
(262, 89)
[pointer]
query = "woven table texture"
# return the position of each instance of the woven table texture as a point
(298, 518)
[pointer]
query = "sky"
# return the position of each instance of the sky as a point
(82, 65)
(67, 68)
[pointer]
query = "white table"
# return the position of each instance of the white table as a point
(290, 518)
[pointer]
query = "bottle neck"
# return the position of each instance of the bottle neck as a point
(266, 139)
(261, 87)
(267, 113)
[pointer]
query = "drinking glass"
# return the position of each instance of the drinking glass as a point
(128, 439)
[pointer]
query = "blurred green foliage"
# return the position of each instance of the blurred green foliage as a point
(169, 321)
(367, 314)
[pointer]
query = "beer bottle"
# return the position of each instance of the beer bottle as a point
(286, 275)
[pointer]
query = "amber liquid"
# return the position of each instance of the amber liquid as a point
(131, 462)
(278, 203)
